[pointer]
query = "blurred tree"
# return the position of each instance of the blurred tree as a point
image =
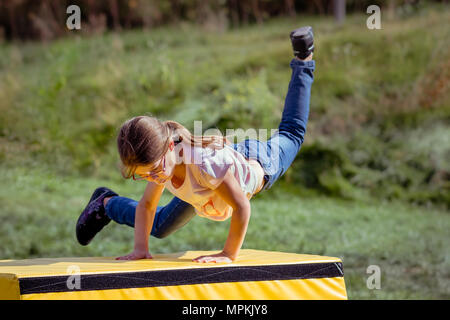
(320, 5)
(339, 10)
(290, 7)
(256, 11)
(114, 10)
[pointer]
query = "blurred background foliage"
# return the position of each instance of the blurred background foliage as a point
(379, 110)
(45, 19)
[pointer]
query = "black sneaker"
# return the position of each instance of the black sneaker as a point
(302, 41)
(93, 218)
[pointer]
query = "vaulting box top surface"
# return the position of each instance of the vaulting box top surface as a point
(180, 260)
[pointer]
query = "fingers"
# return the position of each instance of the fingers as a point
(207, 259)
(127, 257)
(133, 256)
(202, 259)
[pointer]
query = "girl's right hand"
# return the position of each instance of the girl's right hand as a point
(136, 255)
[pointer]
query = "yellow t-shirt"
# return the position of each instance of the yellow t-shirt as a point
(205, 171)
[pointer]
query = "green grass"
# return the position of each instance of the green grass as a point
(62, 103)
(409, 244)
(371, 183)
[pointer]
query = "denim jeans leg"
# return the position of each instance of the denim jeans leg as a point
(284, 145)
(121, 210)
(172, 217)
(167, 219)
(276, 155)
(296, 107)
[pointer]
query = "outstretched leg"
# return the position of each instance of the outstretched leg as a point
(277, 154)
(284, 146)
(106, 205)
(168, 218)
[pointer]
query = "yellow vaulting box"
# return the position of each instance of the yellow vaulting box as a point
(261, 275)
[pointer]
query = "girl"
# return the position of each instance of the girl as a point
(208, 176)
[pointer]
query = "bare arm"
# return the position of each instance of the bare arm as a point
(145, 214)
(231, 192)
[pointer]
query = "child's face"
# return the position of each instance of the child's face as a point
(154, 173)
(161, 171)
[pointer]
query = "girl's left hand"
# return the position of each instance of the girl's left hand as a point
(218, 257)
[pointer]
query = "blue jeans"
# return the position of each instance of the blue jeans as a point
(275, 155)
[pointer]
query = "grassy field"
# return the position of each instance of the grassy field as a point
(371, 184)
(409, 244)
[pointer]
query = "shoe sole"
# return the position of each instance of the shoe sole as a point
(97, 193)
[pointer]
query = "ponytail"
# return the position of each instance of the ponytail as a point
(143, 140)
(179, 133)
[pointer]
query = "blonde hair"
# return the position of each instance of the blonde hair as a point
(143, 140)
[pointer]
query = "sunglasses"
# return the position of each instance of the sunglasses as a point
(154, 173)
